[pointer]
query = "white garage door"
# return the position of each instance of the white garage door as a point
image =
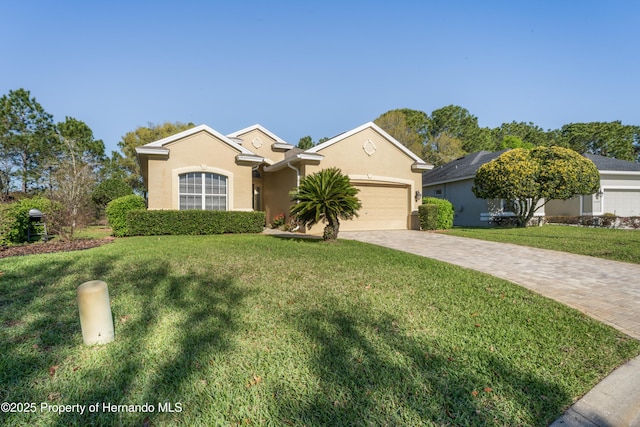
(383, 208)
(622, 202)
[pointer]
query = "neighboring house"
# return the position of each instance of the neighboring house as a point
(619, 191)
(253, 169)
(453, 181)
(619, 194)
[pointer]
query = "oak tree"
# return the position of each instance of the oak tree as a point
(141, 136)
(457, 122)
(529, 132)
(443, 149)
(407, 126)
(611, 139)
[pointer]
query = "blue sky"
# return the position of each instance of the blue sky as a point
(321, 68)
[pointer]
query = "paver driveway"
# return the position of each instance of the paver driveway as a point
(605, 290)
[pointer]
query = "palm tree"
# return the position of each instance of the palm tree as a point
(325, 196)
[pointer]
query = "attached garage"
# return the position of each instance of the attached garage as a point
(384, 207)
(622, 202)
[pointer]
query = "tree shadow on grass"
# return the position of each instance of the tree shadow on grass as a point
(372, 373)
(297, 237)
(190, 316)
(39, 321)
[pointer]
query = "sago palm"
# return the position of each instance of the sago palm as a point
(325, 196)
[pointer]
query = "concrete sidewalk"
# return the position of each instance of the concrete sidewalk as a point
(605, 290)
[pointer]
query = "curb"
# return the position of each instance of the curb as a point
(614, 402)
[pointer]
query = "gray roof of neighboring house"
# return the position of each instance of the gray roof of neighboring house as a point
(466, 167)
(609, 164)
(462, 168)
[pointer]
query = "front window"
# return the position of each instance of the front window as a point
(203, 190)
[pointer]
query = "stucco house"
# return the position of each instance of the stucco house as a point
(619, 191)
(254, 169)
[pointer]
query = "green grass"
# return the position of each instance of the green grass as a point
(614, 244)
(257, 330)
(93, 232)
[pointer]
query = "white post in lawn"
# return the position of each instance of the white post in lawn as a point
(96, 320)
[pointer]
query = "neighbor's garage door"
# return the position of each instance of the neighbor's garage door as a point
(622, 202)
(383, 208)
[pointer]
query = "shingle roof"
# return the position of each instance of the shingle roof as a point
(292, 152)
(462, 168)
(467, 166)
(609, 164)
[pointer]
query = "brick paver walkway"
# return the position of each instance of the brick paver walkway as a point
(605, 290)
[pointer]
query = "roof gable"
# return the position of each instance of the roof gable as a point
(262, 129)
(376, 128)
(189, 132)
(262, 142)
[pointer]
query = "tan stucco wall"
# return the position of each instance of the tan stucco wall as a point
(261, 144)
(277, 186)
(386, 164)
(197, 153)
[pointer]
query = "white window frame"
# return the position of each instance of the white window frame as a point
(175, 183)
(203, 194)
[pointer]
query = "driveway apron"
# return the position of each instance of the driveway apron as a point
(605, 290)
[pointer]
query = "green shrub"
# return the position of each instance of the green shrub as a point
(7, 221)
(428, 216)
(14, 218)
(108, 190)
(193, 222)
(438, 218)
(117, 211)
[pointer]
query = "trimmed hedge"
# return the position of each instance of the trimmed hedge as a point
(435, 214)
(428, 215)
(193, 222)
(117, 211)
(604, 221)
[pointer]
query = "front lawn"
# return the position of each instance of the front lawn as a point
(614, 244)
(257, 330)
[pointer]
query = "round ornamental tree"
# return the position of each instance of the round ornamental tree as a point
(325, 196)
(108, 190)
(527, 179)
